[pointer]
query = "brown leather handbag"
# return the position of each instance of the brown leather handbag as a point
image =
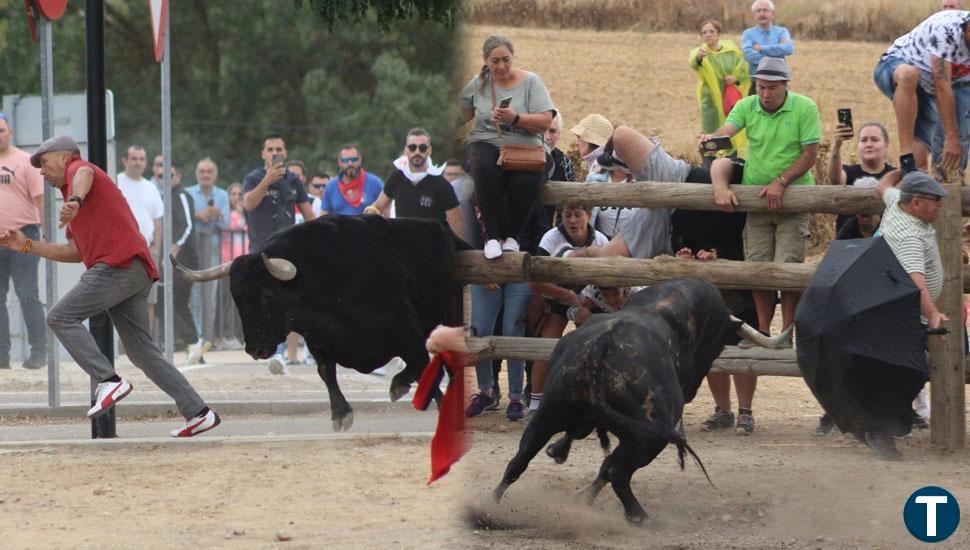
(518, 158)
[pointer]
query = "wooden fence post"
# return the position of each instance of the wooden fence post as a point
(947, 378)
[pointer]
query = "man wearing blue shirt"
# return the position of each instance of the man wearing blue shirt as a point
(765, 39)
(353, 189)
(211, 206)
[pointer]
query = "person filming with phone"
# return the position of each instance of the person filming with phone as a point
(271, 195)
(873, 147)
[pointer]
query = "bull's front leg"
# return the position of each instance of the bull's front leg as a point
(341, 414)
(414, 363)
(539, 431)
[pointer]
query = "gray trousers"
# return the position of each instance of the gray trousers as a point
(123, 293)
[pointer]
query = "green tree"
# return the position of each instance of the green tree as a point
(243, 68)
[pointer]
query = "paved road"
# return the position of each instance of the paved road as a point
(397, 420)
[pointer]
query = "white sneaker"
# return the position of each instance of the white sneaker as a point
(492, 249)
(510, 245)
(108, 394)
(196, 351)
(198, 424)
(277, 365)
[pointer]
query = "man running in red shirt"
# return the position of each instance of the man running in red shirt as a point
(103, 233)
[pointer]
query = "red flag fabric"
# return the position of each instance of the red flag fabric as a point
(450, 438)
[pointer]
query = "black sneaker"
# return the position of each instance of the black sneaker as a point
(825, 426)
(720, 420)
(745, 424)
(514, 411)
(480, 403)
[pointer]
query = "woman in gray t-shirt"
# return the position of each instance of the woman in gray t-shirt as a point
(505, 199)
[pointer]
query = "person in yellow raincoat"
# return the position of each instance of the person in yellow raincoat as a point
(717, 64)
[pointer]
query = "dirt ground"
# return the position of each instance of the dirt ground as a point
(781, 488)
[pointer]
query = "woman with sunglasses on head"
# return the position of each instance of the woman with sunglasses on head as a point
(510, 107)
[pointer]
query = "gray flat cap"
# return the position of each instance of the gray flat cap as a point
(921, 183)
(62, 142)
(772, 68)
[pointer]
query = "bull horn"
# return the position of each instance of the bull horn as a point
(283, 270)
(202, 275)
(778, 342)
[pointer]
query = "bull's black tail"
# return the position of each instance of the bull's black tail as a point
(596, 360)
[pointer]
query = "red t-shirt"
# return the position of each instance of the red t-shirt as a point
(105, 230)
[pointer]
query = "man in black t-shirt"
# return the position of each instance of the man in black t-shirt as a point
(418, 188)
(271, 195)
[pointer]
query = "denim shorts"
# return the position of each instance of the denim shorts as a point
(927, 118)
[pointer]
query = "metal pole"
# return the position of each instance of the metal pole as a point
(167, 294)
(99, 325)
(45, 29)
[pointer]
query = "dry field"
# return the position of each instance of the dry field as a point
(780, 488)
(642, 79)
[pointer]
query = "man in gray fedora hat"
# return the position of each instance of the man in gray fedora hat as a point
(783, 129)
(102, 233)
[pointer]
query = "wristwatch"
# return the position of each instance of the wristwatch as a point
(77, 199)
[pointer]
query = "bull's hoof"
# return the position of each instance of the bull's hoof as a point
(559, 451)
(343, 423)
(883, 445)
(497, 494)
(636, 518)
(400, 391)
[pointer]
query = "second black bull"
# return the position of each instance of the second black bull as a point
(360, 290)
(630, 373)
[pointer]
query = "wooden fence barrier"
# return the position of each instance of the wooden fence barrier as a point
(947, 372)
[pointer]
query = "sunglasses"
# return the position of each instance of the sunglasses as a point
(415, 147)
(345, 160)
(318, 185)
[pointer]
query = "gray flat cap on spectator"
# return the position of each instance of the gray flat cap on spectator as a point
(921, 183)
(62, 142)
(772, 68)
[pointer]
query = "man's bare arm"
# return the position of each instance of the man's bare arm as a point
(616, 247)
(456, 221)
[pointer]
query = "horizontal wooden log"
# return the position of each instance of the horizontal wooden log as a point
(631, 272)
(733, 360)
(832, 199)
(473, 268)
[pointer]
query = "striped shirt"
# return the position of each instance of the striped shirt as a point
(913, 241)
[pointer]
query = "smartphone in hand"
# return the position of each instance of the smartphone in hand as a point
(845, 117)
(717, 144)
(505, 102)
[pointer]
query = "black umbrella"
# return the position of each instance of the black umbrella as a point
(860, 342)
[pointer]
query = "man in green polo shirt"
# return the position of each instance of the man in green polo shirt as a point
(783, 130)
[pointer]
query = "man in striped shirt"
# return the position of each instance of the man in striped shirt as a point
(911, 208)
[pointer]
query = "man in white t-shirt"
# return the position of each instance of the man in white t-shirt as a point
(142, 197)
(916, 73)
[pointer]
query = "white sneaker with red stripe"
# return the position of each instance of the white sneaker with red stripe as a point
(108, 394)
(198, 424)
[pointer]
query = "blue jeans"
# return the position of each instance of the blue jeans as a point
(927, 117)
(485, 307)
(22, 269)
(961, 97)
